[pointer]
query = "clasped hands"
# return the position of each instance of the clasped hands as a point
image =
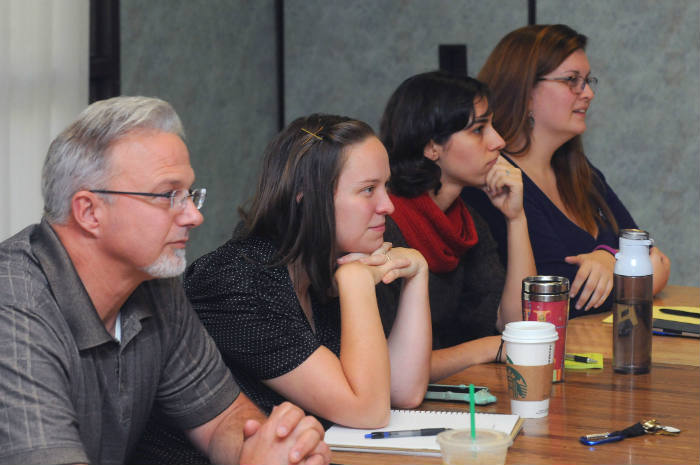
(389, 263)
(288, 436)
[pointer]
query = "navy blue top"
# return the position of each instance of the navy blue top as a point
(552, 234)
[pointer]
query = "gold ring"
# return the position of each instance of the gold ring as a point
(388, 258)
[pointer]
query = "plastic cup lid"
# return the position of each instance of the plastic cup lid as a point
(486, 439)
(530, 332)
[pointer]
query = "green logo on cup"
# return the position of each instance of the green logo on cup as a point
(516, 383)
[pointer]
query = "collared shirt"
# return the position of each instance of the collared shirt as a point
(71, 393)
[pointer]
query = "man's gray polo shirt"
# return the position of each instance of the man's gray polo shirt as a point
(71, 393)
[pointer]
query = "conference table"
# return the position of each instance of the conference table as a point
(595, 401)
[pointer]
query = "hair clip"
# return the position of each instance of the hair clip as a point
(313, 134)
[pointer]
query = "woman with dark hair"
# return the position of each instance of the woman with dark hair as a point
(437, 130)
(291, 322)
(290, 300)
(542, 87)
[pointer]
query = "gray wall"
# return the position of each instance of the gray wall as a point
(366, 48)
(644, 130)
(645, 121)
(215, 61)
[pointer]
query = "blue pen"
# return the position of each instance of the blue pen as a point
(601, 438)
(405, 433)
(674, 332)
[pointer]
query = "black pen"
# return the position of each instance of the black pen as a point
(677, 312)
(405, 433)
(579, 358)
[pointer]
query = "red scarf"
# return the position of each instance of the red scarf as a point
(442, 238)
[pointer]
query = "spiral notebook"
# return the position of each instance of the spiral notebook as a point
(340, 438)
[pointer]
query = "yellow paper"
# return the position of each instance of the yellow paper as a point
(666, 316)
(572, 365)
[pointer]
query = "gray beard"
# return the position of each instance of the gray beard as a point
(167, 265)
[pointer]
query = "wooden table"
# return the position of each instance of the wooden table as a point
(588, 334)
(594, 401)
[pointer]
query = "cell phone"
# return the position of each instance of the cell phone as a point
(459, 393)
(458, 388)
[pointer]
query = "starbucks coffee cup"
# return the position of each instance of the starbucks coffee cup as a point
(529, 366)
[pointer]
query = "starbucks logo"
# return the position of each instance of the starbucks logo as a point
(516, 383)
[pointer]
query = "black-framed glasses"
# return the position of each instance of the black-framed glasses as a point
(178, 197)
(576, 83)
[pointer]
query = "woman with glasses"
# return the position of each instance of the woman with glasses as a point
(438, 132)
(542, 88)
(290, 299)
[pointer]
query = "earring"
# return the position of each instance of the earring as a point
(436, 155)
(531, 119)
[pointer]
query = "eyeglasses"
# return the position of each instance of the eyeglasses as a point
(576, 83)
(178, 197)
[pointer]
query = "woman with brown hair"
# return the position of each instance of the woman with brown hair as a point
(290, 299)
(541, 86)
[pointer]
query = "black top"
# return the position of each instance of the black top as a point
(463, 302)
(251, 310)
(552, 235)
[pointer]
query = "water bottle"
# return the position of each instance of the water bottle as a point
(632, 307)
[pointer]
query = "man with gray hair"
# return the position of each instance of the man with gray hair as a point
(95, 326)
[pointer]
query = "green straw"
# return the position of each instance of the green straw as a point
(471, 411)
